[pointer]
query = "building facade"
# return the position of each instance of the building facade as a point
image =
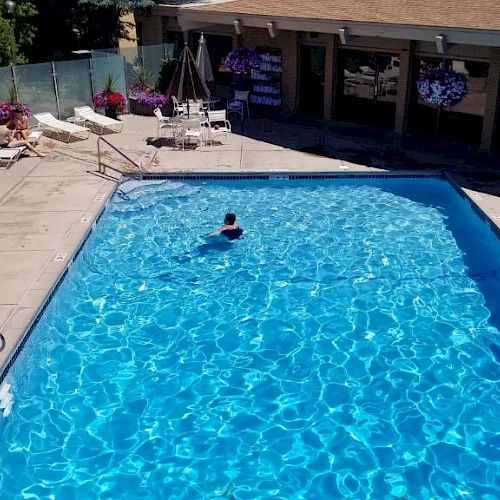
(357, 60)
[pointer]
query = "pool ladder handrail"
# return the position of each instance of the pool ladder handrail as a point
(103, 165)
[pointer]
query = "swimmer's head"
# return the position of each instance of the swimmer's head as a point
(230, 219)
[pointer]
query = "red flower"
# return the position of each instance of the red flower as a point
(110, 100)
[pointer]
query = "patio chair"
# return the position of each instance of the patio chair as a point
(192, 131)
(8, 156)
(47, 121)
(239, 103)
(87, 114)
(196, 106)
(218, 124)
(162, 122)
(177, 107)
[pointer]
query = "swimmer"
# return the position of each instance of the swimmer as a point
(229, 229)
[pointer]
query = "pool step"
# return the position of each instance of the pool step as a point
(6, 399)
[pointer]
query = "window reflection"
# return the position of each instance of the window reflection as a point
(370, 76)
(368, 86)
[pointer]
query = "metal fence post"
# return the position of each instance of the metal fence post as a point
(54, 79)
(92, 77)
(14, 80)
(141, 55)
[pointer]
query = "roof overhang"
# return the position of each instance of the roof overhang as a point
(190, 18)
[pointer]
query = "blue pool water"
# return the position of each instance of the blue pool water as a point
(344, 347)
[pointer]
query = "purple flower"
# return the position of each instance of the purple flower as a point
(7, 110)
(241, 60)
(149, 98)
(442, 87)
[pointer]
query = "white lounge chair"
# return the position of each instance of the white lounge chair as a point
(34, 137)
(87, 114)
(8, 156)
(49, 122)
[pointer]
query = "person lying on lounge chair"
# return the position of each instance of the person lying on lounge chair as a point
(7, 141)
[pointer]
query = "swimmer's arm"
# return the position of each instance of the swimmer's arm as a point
(217, 231)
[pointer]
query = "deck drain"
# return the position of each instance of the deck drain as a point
(99, 197)
(85, 218)
(60, 257)
(2, 342)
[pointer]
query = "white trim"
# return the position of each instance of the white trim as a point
(399, 31)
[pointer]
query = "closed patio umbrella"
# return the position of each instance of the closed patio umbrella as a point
(203, 60)
(186, 82)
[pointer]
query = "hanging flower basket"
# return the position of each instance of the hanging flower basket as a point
(442, 87)
(241, 61)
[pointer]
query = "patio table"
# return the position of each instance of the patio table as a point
(210, 103)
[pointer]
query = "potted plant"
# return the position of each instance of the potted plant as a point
(143, 97)
(113, 102)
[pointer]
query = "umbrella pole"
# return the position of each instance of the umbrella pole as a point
(183, 70)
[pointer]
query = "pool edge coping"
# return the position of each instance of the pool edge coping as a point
(231, 176)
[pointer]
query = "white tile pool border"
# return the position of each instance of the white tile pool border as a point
(69, 256)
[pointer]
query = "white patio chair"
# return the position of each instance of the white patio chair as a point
(162, 122)
(87, 114)
(218, 124)
(191, 131)
(196, 107)
(47, 121)
(177, 107)
(239, 104)
(8, 156)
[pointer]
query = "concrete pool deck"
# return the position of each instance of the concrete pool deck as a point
(47, 206)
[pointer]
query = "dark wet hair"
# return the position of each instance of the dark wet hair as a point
(230, 219)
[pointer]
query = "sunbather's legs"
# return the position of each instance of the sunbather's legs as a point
(17, 143)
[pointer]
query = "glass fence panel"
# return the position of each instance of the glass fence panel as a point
(6, 83)
(35, 87)
(73, 85)
(152, 56)
(132, 60)
(109, 65)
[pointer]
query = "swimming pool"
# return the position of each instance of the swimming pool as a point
(341, 348)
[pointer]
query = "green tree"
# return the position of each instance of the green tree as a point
(17, 32)
(81, 24)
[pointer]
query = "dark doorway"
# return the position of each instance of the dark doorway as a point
(218, 47)
(312, 79)
(367, 87)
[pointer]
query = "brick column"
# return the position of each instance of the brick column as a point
(329, 72)
(288, 42)
(335, 75)
(404, 88)
(491, 114)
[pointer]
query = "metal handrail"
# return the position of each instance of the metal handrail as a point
(99, 163)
